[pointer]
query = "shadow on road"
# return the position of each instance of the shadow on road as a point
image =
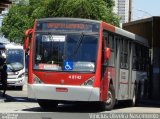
(74, 108)
(83, 108)
(69, 108)
(143, 103)
(9, 98)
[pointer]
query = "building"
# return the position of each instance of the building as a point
(4, 4)
(123, 9)
(3, 40)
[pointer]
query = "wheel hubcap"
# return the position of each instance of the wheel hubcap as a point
(109, 98)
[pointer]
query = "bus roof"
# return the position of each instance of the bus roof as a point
(69, 19)
(134, 37)
(11, 46)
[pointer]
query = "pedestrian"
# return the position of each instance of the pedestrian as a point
(4, 74)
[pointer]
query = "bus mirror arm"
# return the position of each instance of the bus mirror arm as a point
(25, 44)
(107, 53)
(26, 39)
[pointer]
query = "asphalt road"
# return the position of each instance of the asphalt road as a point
(16, 105)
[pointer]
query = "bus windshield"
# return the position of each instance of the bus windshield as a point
(65, 52)
(15, 59)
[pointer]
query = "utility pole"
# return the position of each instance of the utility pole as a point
(130, 10)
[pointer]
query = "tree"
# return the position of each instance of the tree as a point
(21, 16)
(15, 22)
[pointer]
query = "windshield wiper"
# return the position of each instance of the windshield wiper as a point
(78, 45)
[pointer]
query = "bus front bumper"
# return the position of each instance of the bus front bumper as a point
(16, 82)
(63, 92)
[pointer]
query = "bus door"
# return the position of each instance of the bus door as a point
(124, 72)
(108, 67)
(104, 73)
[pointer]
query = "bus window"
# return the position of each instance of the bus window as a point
(134, 58)
(138, 57)
(112, 48)
(144, 58)
(126, 49)
(53, 51)
(124, 53)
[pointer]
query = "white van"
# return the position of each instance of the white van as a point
(15, 60)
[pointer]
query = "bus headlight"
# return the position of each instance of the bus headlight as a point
(36, 80)
(89, 82)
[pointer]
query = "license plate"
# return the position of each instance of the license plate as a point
(61, 89)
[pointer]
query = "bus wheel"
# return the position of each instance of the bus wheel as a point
(110, 102)
(134, 101)
(47, 104)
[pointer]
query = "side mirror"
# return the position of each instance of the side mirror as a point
(26, 39)
(107, 53)
(25, 43)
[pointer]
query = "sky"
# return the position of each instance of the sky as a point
(142, 9)
(145, 8)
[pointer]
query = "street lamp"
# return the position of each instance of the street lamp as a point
(130, 11)
(145, 13)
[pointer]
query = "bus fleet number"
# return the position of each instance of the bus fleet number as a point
(75, 77)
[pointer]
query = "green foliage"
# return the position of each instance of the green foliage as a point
(21, 16)
(16, 22)
(109, 3)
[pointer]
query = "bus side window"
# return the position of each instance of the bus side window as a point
(134, 57)
(109, 41)
(140, 57)
(144, 58)
(105, 44)
(126, 49)
(124, 53)
(111, 44)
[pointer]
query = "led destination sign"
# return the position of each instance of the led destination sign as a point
(68, 26)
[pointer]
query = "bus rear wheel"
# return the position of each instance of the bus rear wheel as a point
(135, 99)
(110, 102)
(48, 104)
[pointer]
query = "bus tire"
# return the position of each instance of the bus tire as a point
(138, 94)
(135, 99)
(110, 102)
(132, 102)
(47, 104)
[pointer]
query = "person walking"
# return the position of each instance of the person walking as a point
(4, 74)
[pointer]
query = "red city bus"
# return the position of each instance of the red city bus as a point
(82, 60)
